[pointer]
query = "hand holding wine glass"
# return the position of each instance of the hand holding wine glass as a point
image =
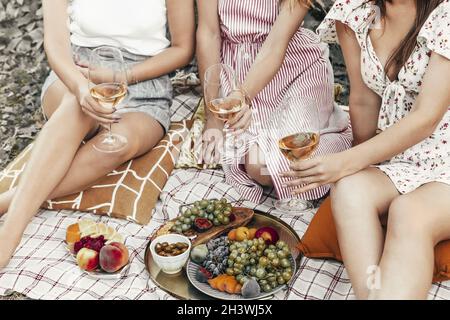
(224, 98)
(298, 136)
(108, 87)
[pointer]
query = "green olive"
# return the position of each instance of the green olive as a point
(210, 217)
(280, 280)
(224, 201)
(229, 272)
(216, 222)
(195, 211)
(226, 220)
(210, 208)
(185, 227)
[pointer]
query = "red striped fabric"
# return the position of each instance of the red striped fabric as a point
(306, 72)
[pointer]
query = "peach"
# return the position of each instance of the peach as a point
(113, 257)
(87, 259)
(242, 233)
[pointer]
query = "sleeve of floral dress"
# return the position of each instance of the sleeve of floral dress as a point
(353, 13)
(435, 33)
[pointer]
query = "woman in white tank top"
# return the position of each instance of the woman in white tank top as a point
(58, 165)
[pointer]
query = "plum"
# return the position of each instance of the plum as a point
(269, 234)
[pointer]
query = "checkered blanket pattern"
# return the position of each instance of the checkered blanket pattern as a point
(42, 268)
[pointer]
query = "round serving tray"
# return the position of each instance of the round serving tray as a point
(179, 285)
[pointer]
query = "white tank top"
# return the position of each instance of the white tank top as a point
(138, 26)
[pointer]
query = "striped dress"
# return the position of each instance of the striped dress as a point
(306, 71)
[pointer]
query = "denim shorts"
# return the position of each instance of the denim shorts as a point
(152, 97)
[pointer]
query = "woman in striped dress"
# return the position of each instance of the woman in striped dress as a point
(271, 55)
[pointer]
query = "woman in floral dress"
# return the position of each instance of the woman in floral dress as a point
(398, 60)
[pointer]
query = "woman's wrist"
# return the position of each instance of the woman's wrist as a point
(131, 76)
(352, 162)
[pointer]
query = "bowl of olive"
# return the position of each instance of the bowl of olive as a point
(170, 252)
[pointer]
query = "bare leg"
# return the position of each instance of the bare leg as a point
(358, 202)
(59, 167)
(417, 222)
(255, 166)
(52, 155)
(89, 165)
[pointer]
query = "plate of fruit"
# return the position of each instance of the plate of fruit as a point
(246, 263)
(98, 249)
(206, 219)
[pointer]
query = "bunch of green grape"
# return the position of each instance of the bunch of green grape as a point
(269, 265)
(217, 211)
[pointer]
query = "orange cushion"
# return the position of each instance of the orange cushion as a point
(320, 241)
(130, 192)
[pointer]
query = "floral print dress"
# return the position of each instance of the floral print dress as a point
(428, 161)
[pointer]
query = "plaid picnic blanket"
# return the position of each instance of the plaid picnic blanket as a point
(42, 268)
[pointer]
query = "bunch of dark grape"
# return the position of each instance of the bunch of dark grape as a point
(216, 259)
(269, 265)
(219, 212)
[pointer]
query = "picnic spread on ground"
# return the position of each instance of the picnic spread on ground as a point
(43, 267)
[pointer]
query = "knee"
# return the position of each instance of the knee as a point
(406, 218)
(71, 115)
(259, 173)
(345, 198)
(112, 160)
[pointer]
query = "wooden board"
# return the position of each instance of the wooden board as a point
(243, 217)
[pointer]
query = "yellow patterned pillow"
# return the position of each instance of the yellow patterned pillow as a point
(192, 146)
(130, 192)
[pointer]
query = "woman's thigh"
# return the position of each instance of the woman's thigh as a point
(424, 211)
(367, 191)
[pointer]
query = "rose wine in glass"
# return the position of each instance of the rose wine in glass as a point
(224, 98)
(299, 146)
(108, 86)
(296, 126)
(225, 108)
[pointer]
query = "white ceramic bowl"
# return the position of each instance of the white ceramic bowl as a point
(171, 265)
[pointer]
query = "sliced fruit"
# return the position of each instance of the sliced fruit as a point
(86, 224)
(73, 233)
(269, 234)
(116, 238)
(202, 224)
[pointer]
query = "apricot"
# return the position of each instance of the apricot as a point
(242, 233)
(251, 233)
(232, 235)
(113, 257)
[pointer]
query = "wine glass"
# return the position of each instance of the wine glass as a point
(224, 97)
(108, 86)
(296, 128)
